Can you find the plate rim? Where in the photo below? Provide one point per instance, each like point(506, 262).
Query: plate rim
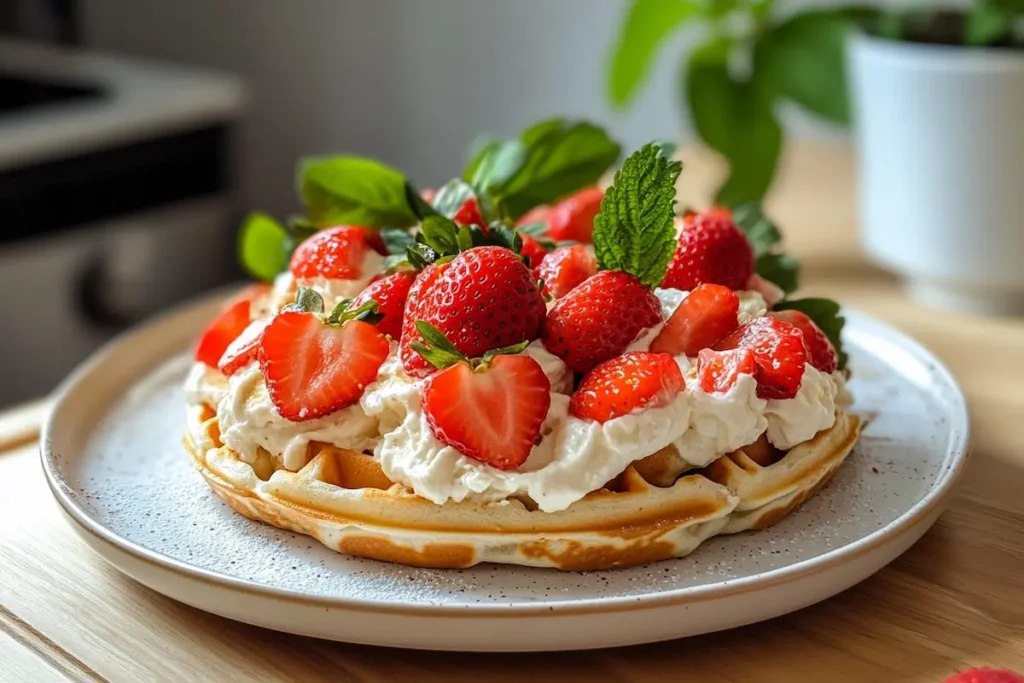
point(958, 451)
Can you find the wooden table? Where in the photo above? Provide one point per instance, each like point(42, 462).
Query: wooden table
point(954, 600)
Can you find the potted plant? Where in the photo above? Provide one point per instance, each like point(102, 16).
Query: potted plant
point(937, 96)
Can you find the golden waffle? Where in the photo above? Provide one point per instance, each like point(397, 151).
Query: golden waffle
point(344, 500)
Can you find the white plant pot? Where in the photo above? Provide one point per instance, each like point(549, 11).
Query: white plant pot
point(941, 143)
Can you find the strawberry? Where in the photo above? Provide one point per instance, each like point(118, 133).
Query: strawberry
point(533, 250)
point(717, 370)
point(707, 314)
point(390, 292)
point(779, 353)
point(244, 349)
point(985, 675)
point(820, 352)
point(573, 217)
point(719, 212)
point(483, 299)
point(375, 241)
point(334, 253)
point(539, 214)
point(566, 267)
point(313, 368)
point(222, 331)
point(469, 214)
point(493, 412)
point(413, 362)
point(625, 384)
point(710, 249)
point(599, 318)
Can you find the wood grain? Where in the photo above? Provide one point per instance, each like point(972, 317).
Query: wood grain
point(955, 600)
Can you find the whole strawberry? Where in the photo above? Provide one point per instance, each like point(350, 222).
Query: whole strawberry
point(533, 250)
point(333, 253)
point(390, 293)
point(596, 320)
point(485, 298)
point(413, 362)
point(710, 249)
point(565, 268)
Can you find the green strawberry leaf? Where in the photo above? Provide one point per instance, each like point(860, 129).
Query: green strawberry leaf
point(420, 255)
point(634, 230)
point(451, 196)
point(826, 314)
point(762, 234)
point(781, 269)
point(436, 350)
point(306, 301)
point(440, 234)
point(368, 312)
point(356, 191)
point(505, 351)
point(263, 246)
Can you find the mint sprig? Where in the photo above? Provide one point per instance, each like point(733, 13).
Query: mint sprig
point(634, 230)
point(441, 353)
point(826, 314)
point(765, 239)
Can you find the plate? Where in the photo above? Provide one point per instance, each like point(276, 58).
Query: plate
point(112, 454)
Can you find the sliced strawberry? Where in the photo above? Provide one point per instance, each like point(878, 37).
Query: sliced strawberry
point(599, 318)
point(779, 353)
point(706, 315)
point(313, 369)
point(566, 267)
point(533, 250)
point(625, 384)
point(820, 352)
point(710, 249)
point(493, 413)
point(573, 217)
point(718, 370)
point(222, 331)
point(334, 253)
point(469, 214)
point(390, 292)
point(244, 349)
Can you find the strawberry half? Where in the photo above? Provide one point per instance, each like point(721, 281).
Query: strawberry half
point(334, 253)
point(390, 292)
point(573, 217)
point(492, 413)
point(820, 352)
point(717, 370)
point(244, 349)
point(599, 318)
point(710, 249)
point(313, 368)
point(216, 338)
point(485, 298)
point(565, 268)
point(779, 353)
point(705, 316)
point(622, 385)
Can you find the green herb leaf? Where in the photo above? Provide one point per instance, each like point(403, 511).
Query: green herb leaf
point(762, 234)
point(440, 234)
point(803, 59)
point(561, 158)
point(438, 351)
point(262, 247)
point(634, 230)
point(306, 301)
point(648, 23)
point(357, 191)
point(734, 119)
point(396, 240)
point(451, 196)
point(495, 165)
point(781, 269)
point(825, 314)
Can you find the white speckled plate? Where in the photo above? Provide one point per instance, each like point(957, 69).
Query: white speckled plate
point(113, 457)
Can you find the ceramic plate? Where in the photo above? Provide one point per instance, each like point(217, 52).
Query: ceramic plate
point(114, 460)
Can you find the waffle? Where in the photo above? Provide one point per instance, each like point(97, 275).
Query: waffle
point(344, 500)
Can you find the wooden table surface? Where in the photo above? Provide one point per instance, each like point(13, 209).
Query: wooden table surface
point(955, 600)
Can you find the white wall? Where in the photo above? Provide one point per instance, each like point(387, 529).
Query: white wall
point(409, 81)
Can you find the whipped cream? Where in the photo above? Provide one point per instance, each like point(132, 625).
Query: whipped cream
point(813, 409)
point(205, 385)
point(250, 421)
point(721, 422)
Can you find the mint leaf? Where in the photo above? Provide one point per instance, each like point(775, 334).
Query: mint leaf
point(734, 118)
point(561, 158)
point(803, 59)
point(762, 234)
point(825, 314)
point(396, 240)
point(262, 246)
point(356, 191)
point(451, 196)
point(648, 23)
point(495, 164)
point(781, 269)
point(634, 230)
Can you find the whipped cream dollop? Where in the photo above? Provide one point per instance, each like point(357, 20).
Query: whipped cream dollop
point(795, 420)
